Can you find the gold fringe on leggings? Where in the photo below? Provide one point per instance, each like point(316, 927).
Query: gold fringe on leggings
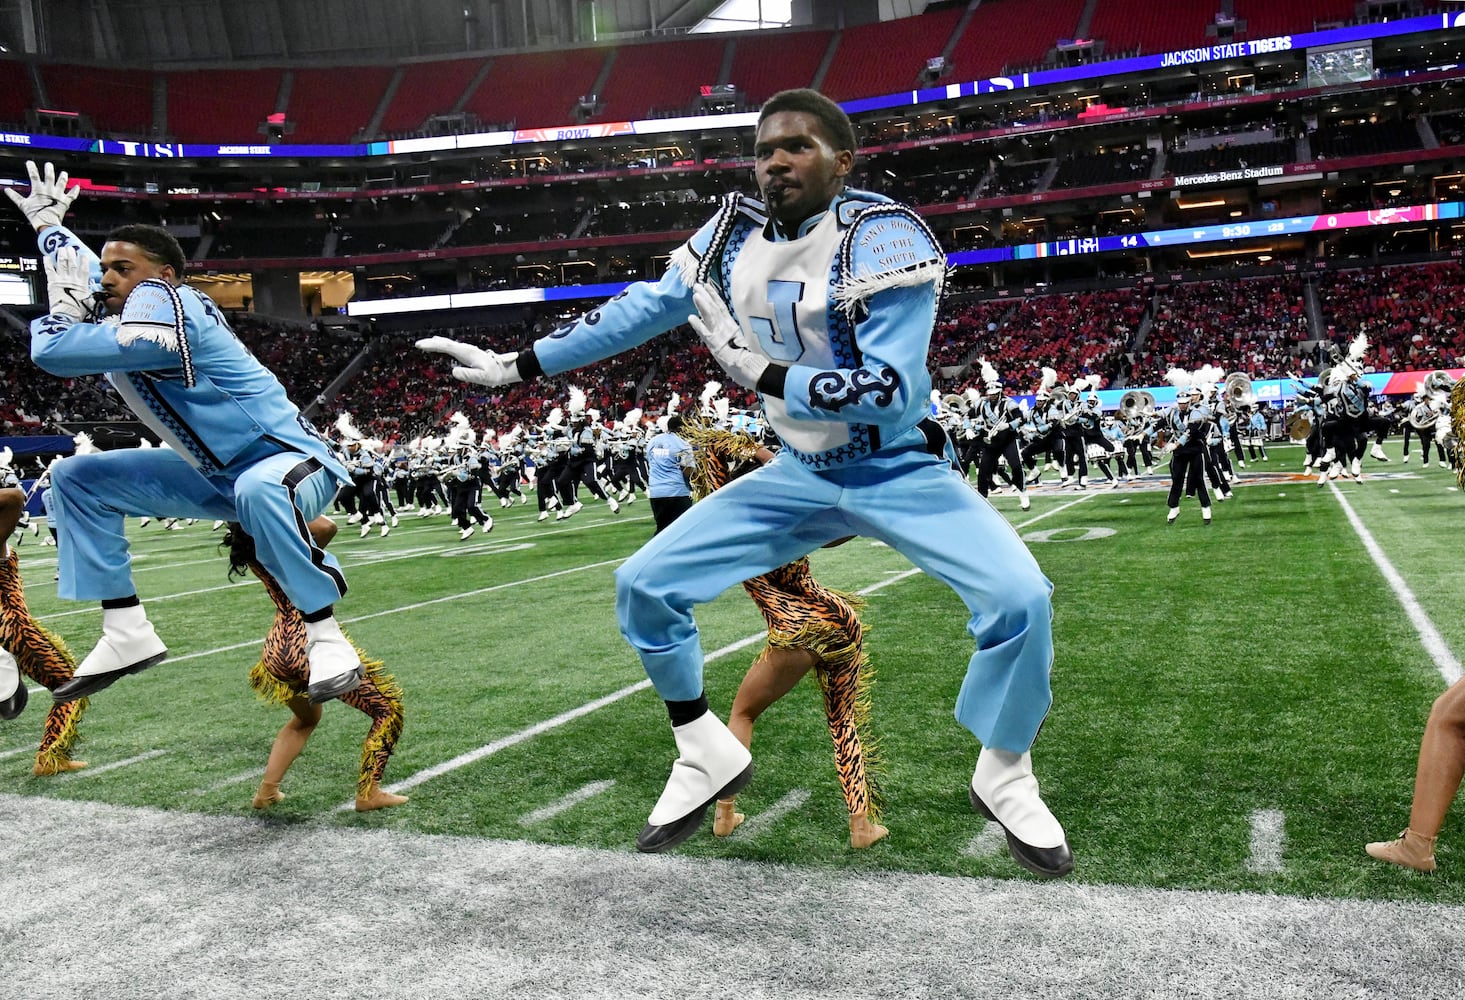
point(803, 614)
point(283, 672)
point(44, 658)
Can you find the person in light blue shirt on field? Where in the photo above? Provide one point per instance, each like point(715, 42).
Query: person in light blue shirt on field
point(238, 449)
point(669, 459)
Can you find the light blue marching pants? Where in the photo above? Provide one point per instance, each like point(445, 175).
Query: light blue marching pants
point(274, 499)
point(907, 498)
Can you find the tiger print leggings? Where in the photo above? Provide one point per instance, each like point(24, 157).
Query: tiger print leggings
point(283, 672)
point(43, 657)
point(803, 614)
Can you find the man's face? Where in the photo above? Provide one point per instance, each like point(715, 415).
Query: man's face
point(123, 266)
point(797, 169)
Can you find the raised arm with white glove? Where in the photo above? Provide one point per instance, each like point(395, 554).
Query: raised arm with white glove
point(475, 364)
point(725, 339)
point(69, 284)
point(48, 200)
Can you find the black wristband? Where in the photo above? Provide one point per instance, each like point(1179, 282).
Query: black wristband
point(770, 383)
point(529, 368)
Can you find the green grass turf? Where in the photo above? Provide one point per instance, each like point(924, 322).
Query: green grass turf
point(1202, 674)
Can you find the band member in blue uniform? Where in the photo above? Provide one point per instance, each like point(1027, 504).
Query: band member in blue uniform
point(821, 298)
point(238, 450)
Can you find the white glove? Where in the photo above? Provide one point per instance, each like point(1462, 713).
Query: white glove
point(724, 338)
point(69, 283)
point(476, 365)
point(48, 199)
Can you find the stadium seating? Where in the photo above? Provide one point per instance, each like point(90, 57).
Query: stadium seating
point(1003, 33)
point(763, 66)
point(116, 100)
point(427, 89)
point(1268, 18)
point(221, 105)
point(15, 91)
point(886, 57)
point(1125, 25)
point(334, 105)
point(1411, 314)
point(659, 78)
point(1253, 325)
point(536, 89)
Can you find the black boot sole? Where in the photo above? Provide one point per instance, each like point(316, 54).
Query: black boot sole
point(11, 707)
point(1044, 862)
point(655, 839)
point(80, 687)
point(336, 686)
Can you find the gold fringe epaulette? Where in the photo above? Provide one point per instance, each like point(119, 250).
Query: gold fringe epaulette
point(1457, 424)
point(716, 451)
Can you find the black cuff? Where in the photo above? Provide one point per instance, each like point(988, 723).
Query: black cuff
point(770, 383)
point(683, 712)
point(529, 367)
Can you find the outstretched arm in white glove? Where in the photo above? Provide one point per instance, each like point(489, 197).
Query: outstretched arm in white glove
point(69, 284)
point(475, 364)
point(48, 199)
point(724, 338)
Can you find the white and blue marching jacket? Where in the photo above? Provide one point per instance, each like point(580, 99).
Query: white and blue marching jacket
point(845, 308)
point(183, 372)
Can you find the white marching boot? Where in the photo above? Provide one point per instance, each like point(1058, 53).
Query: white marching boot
point(1004, 790)
point(13, 692)
point(1377, 452)
point(613, 504)
point(128, 645)
point(1023, 501)
point(335, 669)
point(711, 765)
point(487, 524)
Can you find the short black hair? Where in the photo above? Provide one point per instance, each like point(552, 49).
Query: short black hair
point(674, 423)
point(154, 241)
point(831, 117)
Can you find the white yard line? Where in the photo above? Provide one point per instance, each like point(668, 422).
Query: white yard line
point(92, 772)
point(581, 794)
point(768, 817)
point(1268, 838)
point(1429, 636)
point(990, 841)
point(240, 778)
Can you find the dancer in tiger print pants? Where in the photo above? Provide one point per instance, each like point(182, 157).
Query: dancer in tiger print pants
point(809, 627)
point(282, 677)
point(39, 654)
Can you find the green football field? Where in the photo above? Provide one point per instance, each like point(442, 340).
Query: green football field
point(1236, 707)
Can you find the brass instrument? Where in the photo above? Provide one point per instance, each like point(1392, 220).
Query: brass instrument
point(1135, 403)
point(1299, 426)
point(1423, 415)
point(1439, 381)
point(1237, 391)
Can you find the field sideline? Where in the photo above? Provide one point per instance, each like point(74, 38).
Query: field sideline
point(1237, 709)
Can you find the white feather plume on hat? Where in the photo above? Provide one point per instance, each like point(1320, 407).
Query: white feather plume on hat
point(1209, 375)
point(347, 428)
point(84, 444)
point(1180, 378)
point(556, 417)
point(632, 419)
point(709, 393)
point(144, 443)
point(990, 378)
point(672, 404)
point(1048, 381)
point(576, 405)
point(459, 435)
point(6, 457)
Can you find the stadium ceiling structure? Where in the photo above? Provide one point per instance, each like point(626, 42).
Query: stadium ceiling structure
point(181, 32)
